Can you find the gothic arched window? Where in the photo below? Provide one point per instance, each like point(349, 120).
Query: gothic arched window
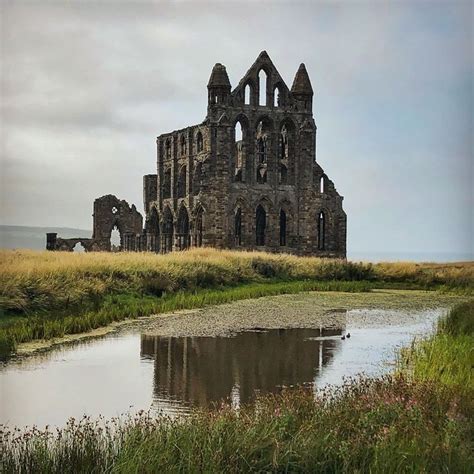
point(238, 227)
point(260, 225)
point(282, 227)
point(262, 87)
point(321, 231)
point(199, 142)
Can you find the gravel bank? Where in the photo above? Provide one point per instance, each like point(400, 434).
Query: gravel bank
point(303, 310)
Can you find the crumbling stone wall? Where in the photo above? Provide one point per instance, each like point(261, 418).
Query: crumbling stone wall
point(109, 213)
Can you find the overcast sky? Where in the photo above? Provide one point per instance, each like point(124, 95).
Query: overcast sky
point(87, 87)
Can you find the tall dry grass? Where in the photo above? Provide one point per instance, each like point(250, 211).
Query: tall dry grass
point(49, 294)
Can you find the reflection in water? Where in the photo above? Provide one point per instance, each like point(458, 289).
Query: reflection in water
point(202, 370)
point(126, 372)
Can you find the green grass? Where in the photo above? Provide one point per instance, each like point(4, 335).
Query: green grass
point(448, 357)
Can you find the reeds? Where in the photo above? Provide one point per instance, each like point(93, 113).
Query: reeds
point(447, 357)
point(386, 425)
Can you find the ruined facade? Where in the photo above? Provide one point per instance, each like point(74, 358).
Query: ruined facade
point(246, 177)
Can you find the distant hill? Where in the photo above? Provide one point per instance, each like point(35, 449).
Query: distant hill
point(22, 237)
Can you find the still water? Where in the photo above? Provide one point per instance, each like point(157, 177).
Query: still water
point(128, 371)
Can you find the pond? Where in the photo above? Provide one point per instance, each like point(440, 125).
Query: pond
point(170, 364)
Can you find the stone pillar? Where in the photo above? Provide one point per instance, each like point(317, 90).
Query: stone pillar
point(51, 239)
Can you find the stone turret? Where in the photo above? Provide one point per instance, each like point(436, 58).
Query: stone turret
point(302, 90)
point(218, 86)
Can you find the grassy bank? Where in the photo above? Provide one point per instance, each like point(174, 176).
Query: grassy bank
point(418, 420)
point(48, 294)
point(448, 358)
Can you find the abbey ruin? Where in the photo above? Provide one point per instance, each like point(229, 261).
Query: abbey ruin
point(244, 178)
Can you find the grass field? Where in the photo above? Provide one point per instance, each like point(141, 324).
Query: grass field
point(417, 420)
point(49, 294)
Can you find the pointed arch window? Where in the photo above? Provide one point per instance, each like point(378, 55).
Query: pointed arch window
point(262, 149)
point(198, 227)
point(282, 227)
point(239, 151)
point(262, 87)
point(199, 142)
point(168, 231)
point(283, 176)
point(260, 225)
point(238, 227)
point(183, 145)
point(322, 183)
point(247, 94)
point(276, 97)
point(321, 231)
point(183, 229)
point(168, 148)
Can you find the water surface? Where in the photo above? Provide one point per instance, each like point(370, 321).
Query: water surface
point(132, 370)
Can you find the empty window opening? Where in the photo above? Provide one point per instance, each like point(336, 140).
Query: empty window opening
point(199, 142)
point(282, 227)
point(183, 145)
point(262, 149)
point(114, 210)
point(260, 225)
point(276, 97)
point(262, 174)
point(283, 178)
point(198, 228)
point(238, 227)
point(183, 229)
point(321, 185)
point(115, 240)
point(168, 231)
point(168, 148)
point(247, 94)
point(262, 87)
point(78, 248)
point(284, 144)
point(182, 182)
point(238, 132)
point(321, 231)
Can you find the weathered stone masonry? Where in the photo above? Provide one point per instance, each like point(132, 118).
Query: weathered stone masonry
point(246, 177)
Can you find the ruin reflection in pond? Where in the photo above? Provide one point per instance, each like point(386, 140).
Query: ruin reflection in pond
point(200, 370)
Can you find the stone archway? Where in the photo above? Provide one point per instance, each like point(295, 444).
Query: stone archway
point(260, 226)
point(182, 234)
point(167, 231)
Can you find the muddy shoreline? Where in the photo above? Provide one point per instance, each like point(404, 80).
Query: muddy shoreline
point(302, 310)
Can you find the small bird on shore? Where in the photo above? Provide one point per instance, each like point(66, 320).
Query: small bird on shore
point(348, 335)
point(343, 337)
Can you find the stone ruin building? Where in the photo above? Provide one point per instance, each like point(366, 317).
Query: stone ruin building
point(244, 178)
